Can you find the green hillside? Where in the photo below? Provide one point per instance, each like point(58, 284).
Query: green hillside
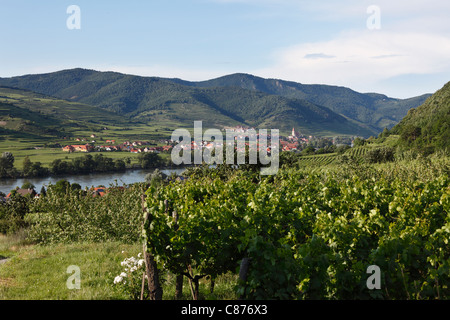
point(155, 100)
point(428, 126)
point(24, 113)
point(371, 109)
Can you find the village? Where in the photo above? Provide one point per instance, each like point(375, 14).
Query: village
point(110, 146)
point(293, 143)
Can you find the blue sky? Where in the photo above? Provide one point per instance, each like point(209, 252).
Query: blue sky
point(307, 41)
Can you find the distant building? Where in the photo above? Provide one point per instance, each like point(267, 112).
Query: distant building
point(100, 191)
point(294, 135)
point(68, 149)
point(78, 148)
point(24, 192)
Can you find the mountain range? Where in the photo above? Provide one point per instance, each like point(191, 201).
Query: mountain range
point(236, 99)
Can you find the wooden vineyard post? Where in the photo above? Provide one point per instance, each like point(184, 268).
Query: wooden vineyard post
point(212, 284)
point(179, 287)
point(143, 285)
point(179, 280)
point(194, 283)
point(243, 271)
point(151, 268)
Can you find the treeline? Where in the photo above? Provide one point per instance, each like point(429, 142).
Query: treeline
point(86, 164)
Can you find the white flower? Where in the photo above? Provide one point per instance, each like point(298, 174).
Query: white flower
point(139, 254)
point(141, 262)
point(123, 274)
point(118, 279)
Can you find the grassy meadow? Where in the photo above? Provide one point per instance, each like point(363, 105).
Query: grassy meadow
point(35, 272)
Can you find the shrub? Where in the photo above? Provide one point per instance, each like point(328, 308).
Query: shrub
point(129, 281)
point(380, 155)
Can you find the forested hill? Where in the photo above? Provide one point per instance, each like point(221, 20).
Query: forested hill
point(376, 110)
point(428, 126)
point(231, 100)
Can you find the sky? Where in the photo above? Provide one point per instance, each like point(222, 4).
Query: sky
point(398, 48)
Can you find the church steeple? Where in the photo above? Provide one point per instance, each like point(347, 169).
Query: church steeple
point(294, 135)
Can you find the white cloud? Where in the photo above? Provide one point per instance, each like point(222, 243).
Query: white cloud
point(318, 56)
point(361, 59)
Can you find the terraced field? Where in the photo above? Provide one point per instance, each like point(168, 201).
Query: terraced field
point(357, 151)
point(317, 160)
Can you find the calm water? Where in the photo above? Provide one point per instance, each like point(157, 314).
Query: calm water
point(106, 179)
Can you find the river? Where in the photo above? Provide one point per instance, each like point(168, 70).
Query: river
point(89, 180)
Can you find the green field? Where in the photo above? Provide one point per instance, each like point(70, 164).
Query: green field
point(32, 124)
point(40, 272)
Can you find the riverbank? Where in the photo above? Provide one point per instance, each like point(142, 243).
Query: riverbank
point(126, 177)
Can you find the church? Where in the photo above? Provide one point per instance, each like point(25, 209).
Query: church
point(294, 135)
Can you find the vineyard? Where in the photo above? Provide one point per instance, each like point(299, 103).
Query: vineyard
point(357, 151)
point(349, 230)
point(308, 234)
point(317, 160)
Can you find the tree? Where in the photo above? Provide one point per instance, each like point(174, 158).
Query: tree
point(149, 160)
point(61, 187)
point(37, 170)
point(59, 166)
point(28, 185)
point(289, 159)
point(75, 186)
point(43, 192)
point(26, 166)
point(359, 142)
point(380, 155)
point(9, 158)
point(410, 133)
point(12, 213)
point(7, 169)
point(155, 178)
point(309, 150)
point(120, 165)
point(384, 134)
point(33, 169)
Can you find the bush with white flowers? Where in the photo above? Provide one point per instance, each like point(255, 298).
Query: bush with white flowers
point(130, 280)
